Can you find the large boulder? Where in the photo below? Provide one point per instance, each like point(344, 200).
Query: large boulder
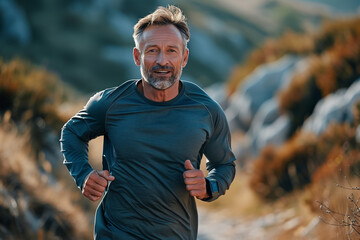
point(268, 126)
point(257, 88)
point(14, 25)
point(335, 108)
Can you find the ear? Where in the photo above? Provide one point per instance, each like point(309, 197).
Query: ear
point(137, 56)
point(185, 57)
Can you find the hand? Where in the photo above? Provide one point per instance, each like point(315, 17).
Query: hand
point(96, 184)
point(195, 181)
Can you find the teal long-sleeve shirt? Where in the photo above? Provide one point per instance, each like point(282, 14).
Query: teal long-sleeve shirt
point(145, 146)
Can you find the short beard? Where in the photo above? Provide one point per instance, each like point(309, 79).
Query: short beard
point(160, 83)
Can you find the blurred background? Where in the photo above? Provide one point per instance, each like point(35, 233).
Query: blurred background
point(286, 73)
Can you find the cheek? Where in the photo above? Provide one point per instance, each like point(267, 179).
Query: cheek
point(149, 61)
point(177, 62)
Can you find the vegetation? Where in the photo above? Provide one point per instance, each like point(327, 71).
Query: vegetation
point(31, 97)
point(271, 50)
point(34, 204)
point(304, 159)
point(334, 63)
point(332, 35)
point(350, 219)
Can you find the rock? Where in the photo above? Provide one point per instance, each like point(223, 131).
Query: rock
point(310, 227)
point(275, 133)
point(123, 56)
point(259, 87)
point(335, 108)
point(14, 25)
point(122, 23)
point(352, 96)
point(266, 115)
point(238, 112)
point(217, 92)
point(200, 46)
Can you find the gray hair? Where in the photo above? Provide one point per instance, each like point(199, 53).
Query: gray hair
point(163, 16)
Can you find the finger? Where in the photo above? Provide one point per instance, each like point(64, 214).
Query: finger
point(93, 193)
point(188, 165)
point(197, 193)
point(195, 181)
point(195, 173)
point(193, 187)
point(93, 198)
point(105, 174)
point(94, 186)
point(96, 179)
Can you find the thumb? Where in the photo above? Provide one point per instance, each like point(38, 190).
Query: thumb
point(105, 174)
point(188, 165)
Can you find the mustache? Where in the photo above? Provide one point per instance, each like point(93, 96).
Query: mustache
point(159, 67)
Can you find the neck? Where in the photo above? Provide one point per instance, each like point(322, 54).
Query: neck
point(157, 95)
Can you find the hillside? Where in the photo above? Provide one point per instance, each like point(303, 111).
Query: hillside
point(37, 198)
point(294, 114)
point(89, 45)
point(293, 105)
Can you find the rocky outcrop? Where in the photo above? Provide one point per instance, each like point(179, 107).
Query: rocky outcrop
point(335, 108)
point(254, 108)
point(257, 88)
point(89, 43)
point(14, 25)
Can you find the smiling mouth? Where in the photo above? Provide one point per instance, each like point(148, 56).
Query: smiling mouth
point(162, 72)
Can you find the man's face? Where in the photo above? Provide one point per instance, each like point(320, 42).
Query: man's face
point(161, 56)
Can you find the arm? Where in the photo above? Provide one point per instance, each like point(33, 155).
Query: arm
point(75, 150)
point(220, 165)
point(220, 158)
point(88, 124)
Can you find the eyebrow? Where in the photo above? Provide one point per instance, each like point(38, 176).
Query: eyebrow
point(154, 45)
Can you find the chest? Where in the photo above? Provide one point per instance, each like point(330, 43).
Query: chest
point(159, 133)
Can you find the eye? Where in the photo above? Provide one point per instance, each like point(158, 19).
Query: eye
point(151, 50)
point(172, 50)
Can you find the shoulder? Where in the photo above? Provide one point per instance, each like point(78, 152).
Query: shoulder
point(196, 93)
point(102, 100)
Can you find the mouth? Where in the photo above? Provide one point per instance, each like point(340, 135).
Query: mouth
point(161, 72)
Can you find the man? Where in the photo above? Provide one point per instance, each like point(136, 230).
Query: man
point(155, 130)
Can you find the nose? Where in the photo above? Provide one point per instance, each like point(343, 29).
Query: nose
point(161, 59)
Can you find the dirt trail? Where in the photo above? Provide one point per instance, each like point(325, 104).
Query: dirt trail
point(216, 226)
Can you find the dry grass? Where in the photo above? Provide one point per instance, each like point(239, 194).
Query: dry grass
point(329, 193)
point(334, 68)
point(301, 160)
point(341, 36)
point(239, 200)
point(41, 209)
point(34, 204)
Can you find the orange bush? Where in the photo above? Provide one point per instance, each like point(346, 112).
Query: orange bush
point(296, 163)
point(337, 67)
point(342, 36)
point(32, 96)
point(272, 50)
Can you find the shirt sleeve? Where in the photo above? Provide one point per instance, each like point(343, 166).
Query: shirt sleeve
point(220, 158)
point(87, 124)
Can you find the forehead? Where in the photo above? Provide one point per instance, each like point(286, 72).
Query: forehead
point(159, 35)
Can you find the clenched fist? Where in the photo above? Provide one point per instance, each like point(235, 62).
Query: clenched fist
point(96, 183)
point(195, 181)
